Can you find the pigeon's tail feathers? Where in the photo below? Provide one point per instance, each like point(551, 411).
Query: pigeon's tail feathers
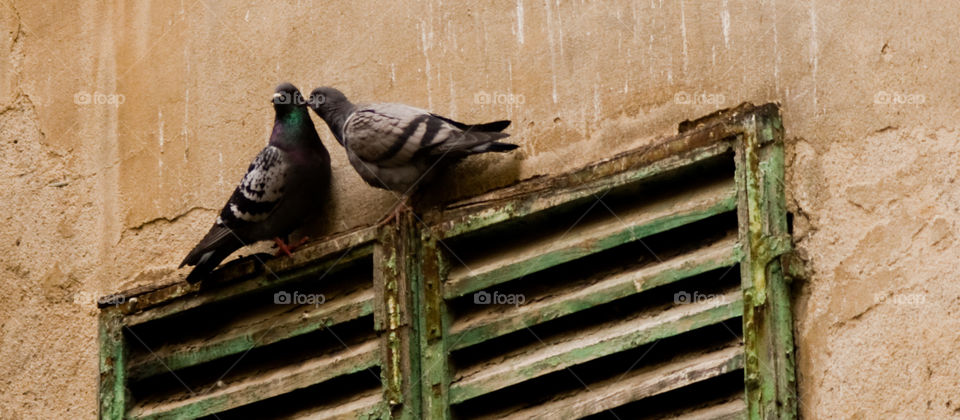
point(486, 141)
point(208, 263)
point(490, 126)
point(201, 271)
point(216, 237)
point(496, 126)
point(496, 147)
point(217, 245)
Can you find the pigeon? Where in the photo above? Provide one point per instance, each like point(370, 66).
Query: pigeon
point(395, 146)
point(284, 185)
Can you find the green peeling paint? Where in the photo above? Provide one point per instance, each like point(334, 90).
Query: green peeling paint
point(770, 378)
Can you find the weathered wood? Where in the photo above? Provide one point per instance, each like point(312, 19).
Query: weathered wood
point(113, 398)
point(276, 382)
point(634, 386)
point(591, 237)
point(407, 313)
point(434, 380)
point(394, 261)
point(577, 347)
point(277, 323)
point(386, 276)
point(366, 406)
point(540, 194)
point(189, 299)
point(767, 322)
point(730, 410)
point(483, 326)
point(148, 296)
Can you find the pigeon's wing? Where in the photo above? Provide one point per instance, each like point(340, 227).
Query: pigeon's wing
point(492, 126)
point(469, 139)
point(261, 189)
point(392, 134)
point(396, 134)
point(252, 202)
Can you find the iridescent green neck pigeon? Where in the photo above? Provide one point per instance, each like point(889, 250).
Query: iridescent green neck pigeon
point(396, 146)
point(285, 185)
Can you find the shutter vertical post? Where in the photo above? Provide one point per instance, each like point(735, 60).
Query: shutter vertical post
point(770, 376)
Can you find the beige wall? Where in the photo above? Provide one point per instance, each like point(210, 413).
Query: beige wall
point(99, 197)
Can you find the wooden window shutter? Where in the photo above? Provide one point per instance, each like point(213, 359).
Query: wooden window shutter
point(648, 285)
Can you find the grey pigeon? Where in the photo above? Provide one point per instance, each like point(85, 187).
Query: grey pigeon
point(286, 183)
point(395, 146)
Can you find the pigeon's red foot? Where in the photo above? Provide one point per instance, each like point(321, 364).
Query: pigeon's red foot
point(394, 214)
point(299, 243)
point(284, 248)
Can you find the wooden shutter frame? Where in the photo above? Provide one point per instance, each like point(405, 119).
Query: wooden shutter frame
point(409, 269)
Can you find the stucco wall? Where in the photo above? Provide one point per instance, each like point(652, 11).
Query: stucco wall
point(102, 196)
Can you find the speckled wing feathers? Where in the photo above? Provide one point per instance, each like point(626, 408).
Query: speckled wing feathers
point(260, 190)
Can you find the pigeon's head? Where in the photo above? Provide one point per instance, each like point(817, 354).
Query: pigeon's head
point(287, 97)
point(327, 101)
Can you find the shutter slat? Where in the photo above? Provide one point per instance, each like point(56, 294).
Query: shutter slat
point(233, 290)
point(580, 346)
point(638, 385)
point(256, 330)
point(592, 237)
point(369, 405)
point(482, 326)
point(534, 196)
point(274, 383)
point(730, 410)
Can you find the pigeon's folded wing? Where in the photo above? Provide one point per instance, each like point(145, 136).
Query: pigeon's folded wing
point(260, 191)
point(391, 134)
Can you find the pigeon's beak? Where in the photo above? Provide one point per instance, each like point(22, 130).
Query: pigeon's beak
point(275, 97)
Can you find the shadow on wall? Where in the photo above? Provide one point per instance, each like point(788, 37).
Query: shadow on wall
point(472, 176)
